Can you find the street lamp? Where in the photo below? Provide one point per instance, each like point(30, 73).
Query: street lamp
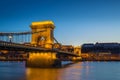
point(10, 38)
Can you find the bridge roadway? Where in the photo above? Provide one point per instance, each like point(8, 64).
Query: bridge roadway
point(27, 48)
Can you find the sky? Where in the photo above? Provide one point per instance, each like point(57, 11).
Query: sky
point(77, 21)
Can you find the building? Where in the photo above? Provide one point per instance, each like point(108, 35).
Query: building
point(113, 48)
point(101, 52)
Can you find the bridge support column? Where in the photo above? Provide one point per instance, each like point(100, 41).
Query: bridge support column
point(43, 60)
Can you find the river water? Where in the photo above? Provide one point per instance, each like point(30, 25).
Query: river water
point(76, 71)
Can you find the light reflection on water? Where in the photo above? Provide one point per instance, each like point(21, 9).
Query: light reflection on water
point(77, 71)
point(43, 74)
point(66, 73)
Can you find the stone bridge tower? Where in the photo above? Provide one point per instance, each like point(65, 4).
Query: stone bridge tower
point(42, 34)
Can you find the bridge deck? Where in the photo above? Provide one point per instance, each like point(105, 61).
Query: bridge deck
point(21, 47)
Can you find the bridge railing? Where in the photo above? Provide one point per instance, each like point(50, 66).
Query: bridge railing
point(17, 46)
point(21, 47)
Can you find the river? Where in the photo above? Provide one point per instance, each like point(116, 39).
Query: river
point(76, 71)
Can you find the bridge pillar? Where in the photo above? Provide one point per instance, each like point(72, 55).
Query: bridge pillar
point(44, 36)
point(43, 60)
point(77, 50)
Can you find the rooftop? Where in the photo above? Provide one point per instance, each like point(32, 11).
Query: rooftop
point(42, 23)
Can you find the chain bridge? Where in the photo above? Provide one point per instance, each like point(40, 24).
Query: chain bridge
point(39, 44)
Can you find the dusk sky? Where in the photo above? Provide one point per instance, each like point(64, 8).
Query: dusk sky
point(77, 21)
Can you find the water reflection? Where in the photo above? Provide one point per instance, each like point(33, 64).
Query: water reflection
point(69, 72)
point(77, 71)
point(42, 74)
